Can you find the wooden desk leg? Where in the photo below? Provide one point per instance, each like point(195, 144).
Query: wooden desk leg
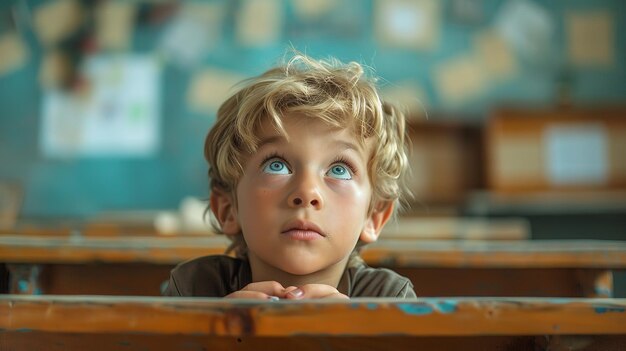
point(595, 282)
point(25, 279)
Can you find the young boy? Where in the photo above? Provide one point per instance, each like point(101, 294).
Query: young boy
point(304, 162)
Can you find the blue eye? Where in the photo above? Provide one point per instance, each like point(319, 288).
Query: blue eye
point(276, 167)
point(339, 171)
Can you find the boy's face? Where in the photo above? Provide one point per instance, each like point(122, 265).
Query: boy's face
point(302, 203)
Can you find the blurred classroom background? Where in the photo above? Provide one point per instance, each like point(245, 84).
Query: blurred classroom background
point(517, 108)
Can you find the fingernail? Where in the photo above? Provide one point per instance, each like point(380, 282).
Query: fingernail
point(273, 298)
point(296, 293)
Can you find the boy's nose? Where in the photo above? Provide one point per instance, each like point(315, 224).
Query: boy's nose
point(306, 194)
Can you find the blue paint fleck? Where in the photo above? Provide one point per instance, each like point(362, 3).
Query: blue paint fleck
point(371, 306)
point(24, 330)
point(602, 310)
point(446, 306)
point(415, 309)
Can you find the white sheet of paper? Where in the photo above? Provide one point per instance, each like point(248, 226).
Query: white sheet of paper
point(591, 38)
point(119, 116)
point(528, 28)
point(195, 30)
point(412, 24)
point(576, 154)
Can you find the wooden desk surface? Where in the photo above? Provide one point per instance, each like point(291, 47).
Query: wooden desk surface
point(124, 323)
point(397, 253)
point(219, 317)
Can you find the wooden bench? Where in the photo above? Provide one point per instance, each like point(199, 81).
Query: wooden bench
point(126, 323)
point(138, 265)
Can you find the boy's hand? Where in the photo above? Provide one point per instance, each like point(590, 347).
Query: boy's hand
point(314, 291)
point(262, 291)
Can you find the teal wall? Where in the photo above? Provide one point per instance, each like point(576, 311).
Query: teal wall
point(84, 186)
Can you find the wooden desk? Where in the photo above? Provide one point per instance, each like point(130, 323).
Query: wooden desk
point(138, 266)
point(125, 323)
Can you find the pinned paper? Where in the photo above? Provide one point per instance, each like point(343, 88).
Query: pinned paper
point(56, 70)
point(117, 116)
point(56, 20)
point(408, 23)
point(498, 60)
point(210, 88)
point(308, 9)
point(13, 52)
point(528, 28)
point(114, 24)
point(408, 96)
point(577, 154)
point(259, 22)
point(460, 79)
point(591, 38)
point(195, 29)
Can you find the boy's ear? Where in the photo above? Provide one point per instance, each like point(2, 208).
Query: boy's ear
point(225, 212)
point(376, 221)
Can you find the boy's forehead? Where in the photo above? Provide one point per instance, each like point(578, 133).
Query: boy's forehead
point(268, 131)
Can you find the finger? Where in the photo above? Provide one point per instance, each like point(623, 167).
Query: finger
point(312, 291)
point(241, 294)
point(268, 287)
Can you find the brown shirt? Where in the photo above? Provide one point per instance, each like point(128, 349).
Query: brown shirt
point(219, 275)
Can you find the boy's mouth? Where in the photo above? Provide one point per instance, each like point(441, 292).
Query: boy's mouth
point(303, 230)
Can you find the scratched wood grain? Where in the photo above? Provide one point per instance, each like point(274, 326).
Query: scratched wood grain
point(111, 323)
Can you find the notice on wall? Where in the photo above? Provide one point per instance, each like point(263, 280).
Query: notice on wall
point(412, 24)
point(499, 62)
point(194, 31)
point(528, 28)
point(576, 154)
point(460, 79)
point(259, 22)
point(209, 88)
point(117, 114)
point(114, 24)
point(57, 19)
point(591, 38)
point(13, 52)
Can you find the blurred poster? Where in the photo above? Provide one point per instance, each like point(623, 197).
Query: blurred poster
point(114, 24)
point(412, 24)
point(591, 38)
point(210, 88)
point(13, 52)
point(117, 114)
point(55, 20)
point(577, 154)
point(528, 28)
point(259, 22)
point(498, 60)
point(460, 79)
point(196, 29)
point(343, 20)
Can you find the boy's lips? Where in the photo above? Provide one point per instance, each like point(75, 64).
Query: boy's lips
point(302, 230)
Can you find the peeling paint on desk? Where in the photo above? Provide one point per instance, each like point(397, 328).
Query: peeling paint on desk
point(601, 310)
point(415, 309)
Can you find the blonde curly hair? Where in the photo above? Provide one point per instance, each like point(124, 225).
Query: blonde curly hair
point(339, 94)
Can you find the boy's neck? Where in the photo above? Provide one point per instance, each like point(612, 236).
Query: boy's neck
point(261, 271)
